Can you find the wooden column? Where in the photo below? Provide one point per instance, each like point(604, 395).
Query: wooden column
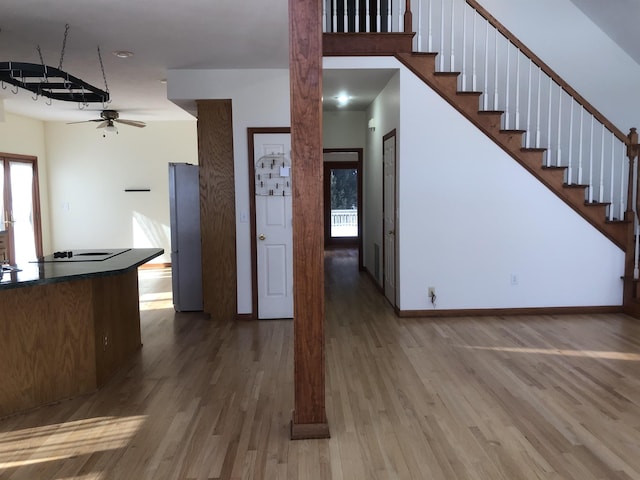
point(217, 208)
point(305, 62)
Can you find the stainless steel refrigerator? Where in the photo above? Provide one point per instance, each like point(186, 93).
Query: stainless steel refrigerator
point(186, 257)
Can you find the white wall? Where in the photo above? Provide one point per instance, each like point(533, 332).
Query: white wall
point(260, 98)
point(344, 129)
point(25, 136)
point(88, 174)
point(385, 111)
point(470, 217)
point(582, 54)
point(463, 229)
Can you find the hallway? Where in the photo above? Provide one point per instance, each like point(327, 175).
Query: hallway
point(531, 397)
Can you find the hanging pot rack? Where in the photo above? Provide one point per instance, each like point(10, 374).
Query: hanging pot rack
point(50, 82)
point(53, 83)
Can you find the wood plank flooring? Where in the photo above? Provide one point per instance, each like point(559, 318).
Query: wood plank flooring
point(536, 397)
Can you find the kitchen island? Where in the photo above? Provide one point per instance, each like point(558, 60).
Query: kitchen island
point(67, 323)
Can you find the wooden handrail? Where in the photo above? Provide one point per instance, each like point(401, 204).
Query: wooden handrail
point(548, 70)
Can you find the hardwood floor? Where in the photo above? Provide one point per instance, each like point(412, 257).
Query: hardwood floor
point(539, 397)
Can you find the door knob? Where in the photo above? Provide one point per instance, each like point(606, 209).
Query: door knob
point(261, 236)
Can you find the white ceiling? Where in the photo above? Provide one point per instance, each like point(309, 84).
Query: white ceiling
point(169, 34)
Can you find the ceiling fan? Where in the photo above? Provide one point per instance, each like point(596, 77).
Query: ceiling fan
point(107, 119)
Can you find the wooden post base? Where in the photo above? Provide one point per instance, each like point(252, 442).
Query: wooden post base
point(309, 431)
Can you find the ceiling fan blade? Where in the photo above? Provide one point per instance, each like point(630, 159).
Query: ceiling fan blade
point(103, 124)
point(86, 121)
point(133, 123)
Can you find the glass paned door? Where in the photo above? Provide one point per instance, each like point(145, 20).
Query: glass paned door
point(344, 202)
point(20, 209)
point(22, 212)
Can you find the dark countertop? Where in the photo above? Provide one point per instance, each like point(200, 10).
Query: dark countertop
point(51, 271)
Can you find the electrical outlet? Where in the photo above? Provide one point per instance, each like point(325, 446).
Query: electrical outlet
point(514, 279)
point(432, 295)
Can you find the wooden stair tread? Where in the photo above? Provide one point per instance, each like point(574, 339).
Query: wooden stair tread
point(575, 185)
point(490, 112)
point(533, 149)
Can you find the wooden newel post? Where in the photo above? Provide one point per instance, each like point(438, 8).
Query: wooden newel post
point(408, 17)
point(630, 216)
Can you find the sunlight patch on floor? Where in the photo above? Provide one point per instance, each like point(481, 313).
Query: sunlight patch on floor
point(156, 301)
point(56, 442)
point(566, 353)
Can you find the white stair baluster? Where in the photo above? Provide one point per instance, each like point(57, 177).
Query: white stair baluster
point(517, 89)
point(529, 113)
point(601, 183)
point(474, 83)
point(591, 161)
point(389, 17)
point(611, 208)
point(430, 46)
point(325, 21)
point(559, 149)
point(485, 94)
point(452, 66)
point(419, 35)
point(464, 47)
point(495, 71)
point(537, 145)
point(570, 169)
point(580, 137)
point(507, 83)
point(549, 122)
point(441, 52)
point(378, 17)
point(346, 17)
point(400, 16)
point(357, 25)
point(334, 15)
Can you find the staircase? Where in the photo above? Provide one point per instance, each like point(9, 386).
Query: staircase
point(489, 53)
point(584, 162)
point(511, 141)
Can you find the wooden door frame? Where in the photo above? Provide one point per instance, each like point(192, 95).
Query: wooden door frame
point(37, 211)
point(391, 134)
point(251, 133)
point(327, 203)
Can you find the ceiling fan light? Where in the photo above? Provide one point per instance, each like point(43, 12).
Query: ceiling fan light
point(123, 53)
point(111, 128)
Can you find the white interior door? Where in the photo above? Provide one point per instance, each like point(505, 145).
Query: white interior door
point(389, 220)
point(274, 230)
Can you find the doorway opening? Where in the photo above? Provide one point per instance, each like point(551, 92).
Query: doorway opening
point(343, 199)
point(20, 227)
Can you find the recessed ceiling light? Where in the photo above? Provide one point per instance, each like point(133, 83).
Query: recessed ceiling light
point(123, 53)
point(343, 99)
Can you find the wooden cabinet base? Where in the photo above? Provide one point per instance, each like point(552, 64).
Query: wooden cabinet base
point(65, 339)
